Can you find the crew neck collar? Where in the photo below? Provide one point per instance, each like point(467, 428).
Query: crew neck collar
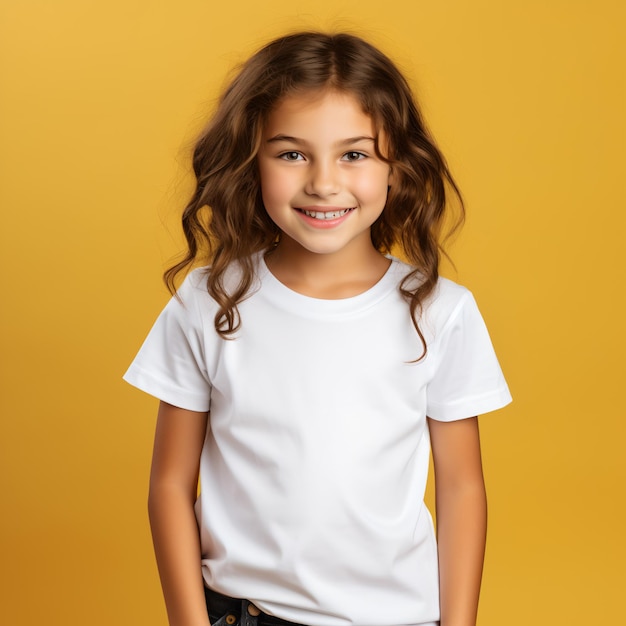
point(286, 298)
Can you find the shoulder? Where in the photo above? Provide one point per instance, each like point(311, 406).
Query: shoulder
point(446, 303)
point(195, 284)
point(450, 306)
point(445, 296)
point(448, 296)
point(196, 280)
point(192, 303)
point(193, 292)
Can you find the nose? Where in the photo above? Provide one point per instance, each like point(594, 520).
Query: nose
point(323, 180)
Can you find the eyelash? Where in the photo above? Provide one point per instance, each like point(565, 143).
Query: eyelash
point(286, 156)
point(360, 155)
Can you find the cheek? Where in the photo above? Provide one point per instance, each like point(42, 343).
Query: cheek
point(275, 185)
point(374, 188)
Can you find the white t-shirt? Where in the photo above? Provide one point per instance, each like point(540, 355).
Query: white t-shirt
point(315, 463)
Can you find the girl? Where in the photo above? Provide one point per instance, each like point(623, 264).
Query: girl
point(327, 366)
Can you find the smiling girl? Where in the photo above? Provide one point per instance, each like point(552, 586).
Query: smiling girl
point(304, 373)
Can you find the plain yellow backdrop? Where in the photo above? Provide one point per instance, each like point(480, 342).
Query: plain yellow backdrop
point(99, 104)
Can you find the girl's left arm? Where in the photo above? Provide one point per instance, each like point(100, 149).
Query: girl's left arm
point(461, 505)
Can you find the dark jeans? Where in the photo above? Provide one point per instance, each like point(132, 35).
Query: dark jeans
point(225, 611)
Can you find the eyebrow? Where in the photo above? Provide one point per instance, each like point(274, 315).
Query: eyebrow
point(296, 140)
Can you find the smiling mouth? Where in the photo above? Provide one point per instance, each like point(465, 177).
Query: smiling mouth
point(326, 215)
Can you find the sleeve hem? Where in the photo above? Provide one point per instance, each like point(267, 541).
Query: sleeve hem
point(469, 407)
point(165, 391)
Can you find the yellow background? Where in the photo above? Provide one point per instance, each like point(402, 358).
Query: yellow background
point(99, 103)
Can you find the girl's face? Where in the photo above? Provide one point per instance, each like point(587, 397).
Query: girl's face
point(321, 181)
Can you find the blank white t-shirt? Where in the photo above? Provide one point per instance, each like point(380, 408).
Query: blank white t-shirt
point(315, 463)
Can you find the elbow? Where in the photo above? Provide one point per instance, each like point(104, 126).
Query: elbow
point(154, 500)
point(466, 501)
point(166, 495)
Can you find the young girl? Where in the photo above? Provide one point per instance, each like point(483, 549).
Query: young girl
point(305, 373)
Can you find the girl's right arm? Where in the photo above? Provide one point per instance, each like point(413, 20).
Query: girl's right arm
point(173, 489)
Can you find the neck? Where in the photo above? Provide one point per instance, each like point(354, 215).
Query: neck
point(336, 275)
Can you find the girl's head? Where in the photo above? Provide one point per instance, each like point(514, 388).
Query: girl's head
point(226, 220)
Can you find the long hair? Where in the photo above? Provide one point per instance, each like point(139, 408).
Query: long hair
point(225, 220)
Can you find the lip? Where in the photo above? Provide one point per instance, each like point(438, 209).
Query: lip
point(325, 223)
point(323, 208)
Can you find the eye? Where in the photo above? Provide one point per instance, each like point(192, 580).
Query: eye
point(292, 155)
point(353, 156)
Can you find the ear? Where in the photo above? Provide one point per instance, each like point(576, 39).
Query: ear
point(392, 179)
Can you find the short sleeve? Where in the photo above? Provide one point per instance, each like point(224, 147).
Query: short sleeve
point(171, 363)
point(467, 379)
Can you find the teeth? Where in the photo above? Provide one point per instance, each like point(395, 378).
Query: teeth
point(326, 215)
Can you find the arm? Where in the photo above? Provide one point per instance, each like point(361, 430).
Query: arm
point(173, 489)
point(461, 518)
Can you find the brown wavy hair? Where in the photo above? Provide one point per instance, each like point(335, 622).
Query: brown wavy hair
point(225, 220)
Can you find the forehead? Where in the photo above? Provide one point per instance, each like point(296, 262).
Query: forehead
point(326, 112)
